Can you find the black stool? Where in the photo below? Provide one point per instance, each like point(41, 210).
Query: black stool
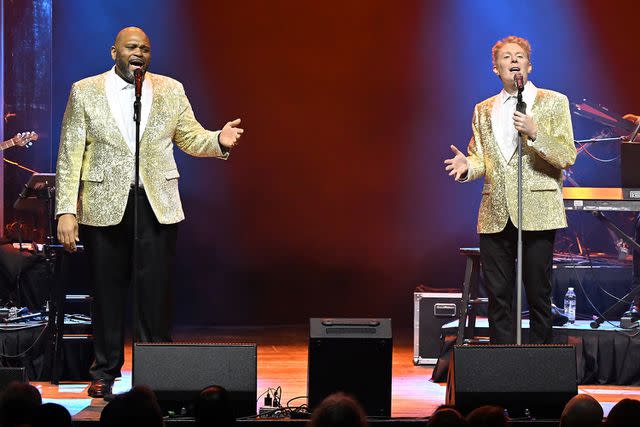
point(470, 300)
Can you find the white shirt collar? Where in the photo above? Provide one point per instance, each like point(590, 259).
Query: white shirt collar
point(504, 132)
point(121, 105)
point(118, 82)
point(528, 95)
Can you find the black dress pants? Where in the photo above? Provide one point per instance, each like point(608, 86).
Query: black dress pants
point(498, 254)
point(109, 250)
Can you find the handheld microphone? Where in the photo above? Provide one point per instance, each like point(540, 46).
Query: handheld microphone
point(519, 81)
point(521, 106)
point(138, 76)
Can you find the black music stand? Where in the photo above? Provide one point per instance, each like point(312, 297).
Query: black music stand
point(38, 190)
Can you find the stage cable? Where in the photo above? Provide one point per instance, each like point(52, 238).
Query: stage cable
point(583, 147)
point(584, 292)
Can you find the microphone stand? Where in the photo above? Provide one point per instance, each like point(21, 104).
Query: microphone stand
point(136, 235)
point(521, 107)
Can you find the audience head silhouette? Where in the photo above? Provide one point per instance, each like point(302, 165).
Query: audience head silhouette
point(138, 407)
point(487, 416)
point(18, 403)
point(52, 415)
point(446, 417)
point(338, 410)
point(213, 407)
point(624, 413)
point(582, 411)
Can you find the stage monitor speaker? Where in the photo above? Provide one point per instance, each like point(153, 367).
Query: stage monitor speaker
point(534, 379)
point(9, 375)
point(352, 356)
point(177, 372)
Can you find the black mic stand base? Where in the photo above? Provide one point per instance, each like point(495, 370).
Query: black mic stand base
point(625, 300)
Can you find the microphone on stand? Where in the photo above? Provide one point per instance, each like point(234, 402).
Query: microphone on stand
point(518, 79)
point(521, 106)
point(138, 76)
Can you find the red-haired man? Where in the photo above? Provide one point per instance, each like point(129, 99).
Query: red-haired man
point(548, 148)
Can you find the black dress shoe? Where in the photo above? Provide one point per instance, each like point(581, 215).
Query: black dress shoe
point(100, 388)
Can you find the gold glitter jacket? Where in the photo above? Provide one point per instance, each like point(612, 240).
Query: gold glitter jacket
point(542, 164)
point(95, 165)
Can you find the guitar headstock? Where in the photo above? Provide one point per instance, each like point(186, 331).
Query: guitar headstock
point(25, 139)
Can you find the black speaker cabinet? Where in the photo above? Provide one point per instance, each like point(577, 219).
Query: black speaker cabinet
point(9, 375)
point(539, 379)
point(352, 356)
point(177, 372)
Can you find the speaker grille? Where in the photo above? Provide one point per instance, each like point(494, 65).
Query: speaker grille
point(353, 358)
point(178, 371)
point(538, 378)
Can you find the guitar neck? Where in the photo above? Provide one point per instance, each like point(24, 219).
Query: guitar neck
point(6, 144)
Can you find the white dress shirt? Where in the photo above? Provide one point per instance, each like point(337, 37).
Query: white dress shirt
point(502, 118)
point(121, 96)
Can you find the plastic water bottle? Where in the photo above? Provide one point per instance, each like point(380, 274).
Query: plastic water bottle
point(570, 305)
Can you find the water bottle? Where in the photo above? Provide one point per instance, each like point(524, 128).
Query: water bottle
point(570, 305)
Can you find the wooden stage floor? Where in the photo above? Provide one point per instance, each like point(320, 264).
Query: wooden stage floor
point(282, 361)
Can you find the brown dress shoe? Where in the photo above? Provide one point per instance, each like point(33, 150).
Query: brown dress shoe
point(100, 388)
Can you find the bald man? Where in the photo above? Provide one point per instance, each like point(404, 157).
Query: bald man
point(95, 188)
point(582, 411)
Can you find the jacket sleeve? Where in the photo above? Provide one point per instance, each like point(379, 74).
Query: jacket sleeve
point(70, 153)
point(554, 141)
point(475, 152)
point(191, 137)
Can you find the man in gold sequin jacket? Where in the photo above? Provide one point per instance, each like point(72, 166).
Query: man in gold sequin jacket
point(95, 181)
point(548, 148)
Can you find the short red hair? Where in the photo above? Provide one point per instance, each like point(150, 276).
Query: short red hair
point(523, 43)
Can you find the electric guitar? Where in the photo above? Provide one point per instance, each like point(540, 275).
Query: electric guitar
point(23, 139)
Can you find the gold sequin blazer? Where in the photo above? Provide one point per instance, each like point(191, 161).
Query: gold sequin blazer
point(543, 161)
point(95, 165)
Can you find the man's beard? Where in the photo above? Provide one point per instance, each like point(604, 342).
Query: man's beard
point(123, 68)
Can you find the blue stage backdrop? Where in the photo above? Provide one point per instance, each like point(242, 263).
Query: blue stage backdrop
point(336, 203)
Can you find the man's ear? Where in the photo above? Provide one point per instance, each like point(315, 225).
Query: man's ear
point(113, 52)
point(495, 70)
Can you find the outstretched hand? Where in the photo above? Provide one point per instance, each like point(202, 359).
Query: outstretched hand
point(632, 118)
point(458, 166)
point(230, 134)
